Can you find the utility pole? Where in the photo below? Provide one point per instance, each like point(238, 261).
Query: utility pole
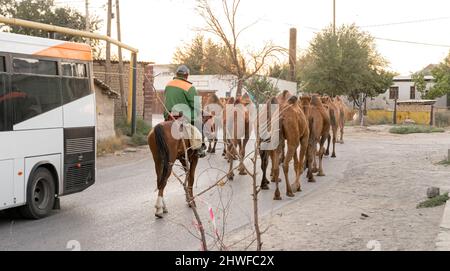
point(119, 38)
point(88, 21)
point(334, 17)
point(292, 53)
point(108, 44)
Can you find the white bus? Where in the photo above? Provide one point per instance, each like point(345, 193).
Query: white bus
point(47, 122)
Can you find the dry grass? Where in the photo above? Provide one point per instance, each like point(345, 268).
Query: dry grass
point(111, 145)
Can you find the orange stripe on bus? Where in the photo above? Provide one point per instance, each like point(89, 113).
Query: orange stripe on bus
point(68, 50)
point(180, 84)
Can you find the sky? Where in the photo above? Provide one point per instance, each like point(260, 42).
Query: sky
point(158, 27)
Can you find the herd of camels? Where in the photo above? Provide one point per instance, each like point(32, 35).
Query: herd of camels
point(305, 124)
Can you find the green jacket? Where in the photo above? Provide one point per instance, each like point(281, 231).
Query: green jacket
point(180, 91)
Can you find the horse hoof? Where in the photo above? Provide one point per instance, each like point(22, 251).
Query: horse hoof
point(277, 198)
point(333, 156)
point(296, 188)
point(265, 187)
point(321, 174)
point(290, 195)
point(159, 216)
point(274, 181)
point(230, 178)
point(243, 173)
point(165, 211)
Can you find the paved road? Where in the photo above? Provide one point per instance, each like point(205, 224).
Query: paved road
point(117, 213)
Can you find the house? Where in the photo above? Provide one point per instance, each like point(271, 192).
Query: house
point(404, 89)
point(105, 100)
point(222, 85)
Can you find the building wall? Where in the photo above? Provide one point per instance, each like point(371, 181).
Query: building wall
point(105, 115)
point(99, 72)
point(223, 85)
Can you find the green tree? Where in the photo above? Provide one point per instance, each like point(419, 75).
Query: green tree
point(441, 74)
point(420, 83)
point(202, 56)
point(345, 63)
point(261, 88)
point(45, 11)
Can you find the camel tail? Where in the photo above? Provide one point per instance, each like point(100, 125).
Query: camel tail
point(333, 118)
point(342, 114)
point(163, 152)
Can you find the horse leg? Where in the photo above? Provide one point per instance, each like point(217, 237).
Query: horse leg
point(276, 172)
point(191, 179)
point(230, 161)
point(292, 148)
point(215, 145)
point(264, 165)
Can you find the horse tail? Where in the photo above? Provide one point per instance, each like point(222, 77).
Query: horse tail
point(333, 118)
point(163, 152)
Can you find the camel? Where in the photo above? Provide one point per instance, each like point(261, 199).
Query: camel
point(319, 126)
point(212, 112)
point(343, 112)
point(335, 118)
point(293, 130)
point(237, 133)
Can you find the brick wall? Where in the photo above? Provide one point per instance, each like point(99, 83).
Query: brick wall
point(114, 83)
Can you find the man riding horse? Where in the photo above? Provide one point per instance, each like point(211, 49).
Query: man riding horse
point(178, 94)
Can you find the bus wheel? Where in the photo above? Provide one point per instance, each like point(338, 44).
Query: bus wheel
point(40, 195)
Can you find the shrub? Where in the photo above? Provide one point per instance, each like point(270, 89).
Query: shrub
point(415, 129)
point(142, 131)
point(434, 202)
point(442, 119)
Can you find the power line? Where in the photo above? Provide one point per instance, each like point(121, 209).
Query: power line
point(413, 42)
point(406, 22)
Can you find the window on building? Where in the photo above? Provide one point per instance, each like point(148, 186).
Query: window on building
point(413, 93)
point(393, 93)
point(35, 66)
point(2, 64)
point(35, 95)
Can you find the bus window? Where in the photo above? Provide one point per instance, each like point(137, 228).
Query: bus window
point(75, 84)
point(2, 64)
point(35, 66)
point(38, 95)
point(74, 89)
point(3, 104)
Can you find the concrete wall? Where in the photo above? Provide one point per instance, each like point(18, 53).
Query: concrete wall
point(105, 115)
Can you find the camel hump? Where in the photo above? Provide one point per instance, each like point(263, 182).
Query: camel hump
point(293, 100)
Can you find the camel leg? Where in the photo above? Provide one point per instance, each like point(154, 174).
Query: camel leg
point(301, 161)
point(311, 156)
point(315, 169)
point(333, 155)
point(342, 135)
point(242, 145)
point(322, 150)
point(276, 173)
point(327, 153)
point(215, 145)
point(290, 154)
point(264, 165)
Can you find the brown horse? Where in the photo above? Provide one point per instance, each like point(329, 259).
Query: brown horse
point(319, 127)
point(335, 119)
point(166, 149)
point(237, 133)
point(293, 130)
point(213, 111)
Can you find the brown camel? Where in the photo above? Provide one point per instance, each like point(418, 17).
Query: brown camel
point(293, 130)
point(343, 112)
point(335, 119)
point(237, 133)
point(212, 113)
point(166, 149)
point(319, 127)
